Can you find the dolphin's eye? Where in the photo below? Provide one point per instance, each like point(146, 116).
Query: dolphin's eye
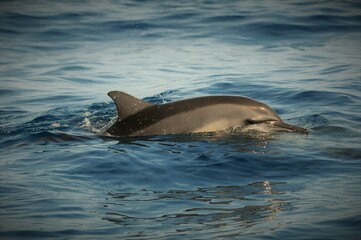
point(253, 121)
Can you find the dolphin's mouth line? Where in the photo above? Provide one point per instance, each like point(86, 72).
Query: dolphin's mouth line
point(289, 127)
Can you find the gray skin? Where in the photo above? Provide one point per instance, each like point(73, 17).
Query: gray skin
point(202, 114)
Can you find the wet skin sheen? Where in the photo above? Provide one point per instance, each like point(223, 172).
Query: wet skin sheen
point(202, 114)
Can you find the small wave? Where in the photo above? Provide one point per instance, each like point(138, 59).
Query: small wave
point(335, 69)
point(44, 138)
point(319, 97)
point(125, 25)
point(164, 97)
point(227, 18)
point(74, 68)
point(65, 119)
point(313, 121)
point(9, 91)
point(5, 31)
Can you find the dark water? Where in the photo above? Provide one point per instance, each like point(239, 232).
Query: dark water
point(59, 178)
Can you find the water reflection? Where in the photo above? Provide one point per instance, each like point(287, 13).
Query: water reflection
point(222, 210)
point(250, 142)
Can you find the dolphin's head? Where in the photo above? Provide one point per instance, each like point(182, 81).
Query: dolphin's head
point(271, 126)
point(263, 118)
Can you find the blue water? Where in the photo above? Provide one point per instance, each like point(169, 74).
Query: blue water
point(60, 178)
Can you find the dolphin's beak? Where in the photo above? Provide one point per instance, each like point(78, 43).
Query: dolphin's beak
point(290, 128)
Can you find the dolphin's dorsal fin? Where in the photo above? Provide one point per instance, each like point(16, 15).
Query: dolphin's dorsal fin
point(127, 105)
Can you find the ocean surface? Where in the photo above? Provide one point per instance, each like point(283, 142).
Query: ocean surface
point(62, 178)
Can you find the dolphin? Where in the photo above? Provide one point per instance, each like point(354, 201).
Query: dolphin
point(196, 115)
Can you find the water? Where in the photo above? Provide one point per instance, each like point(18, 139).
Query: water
point(61, 179)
